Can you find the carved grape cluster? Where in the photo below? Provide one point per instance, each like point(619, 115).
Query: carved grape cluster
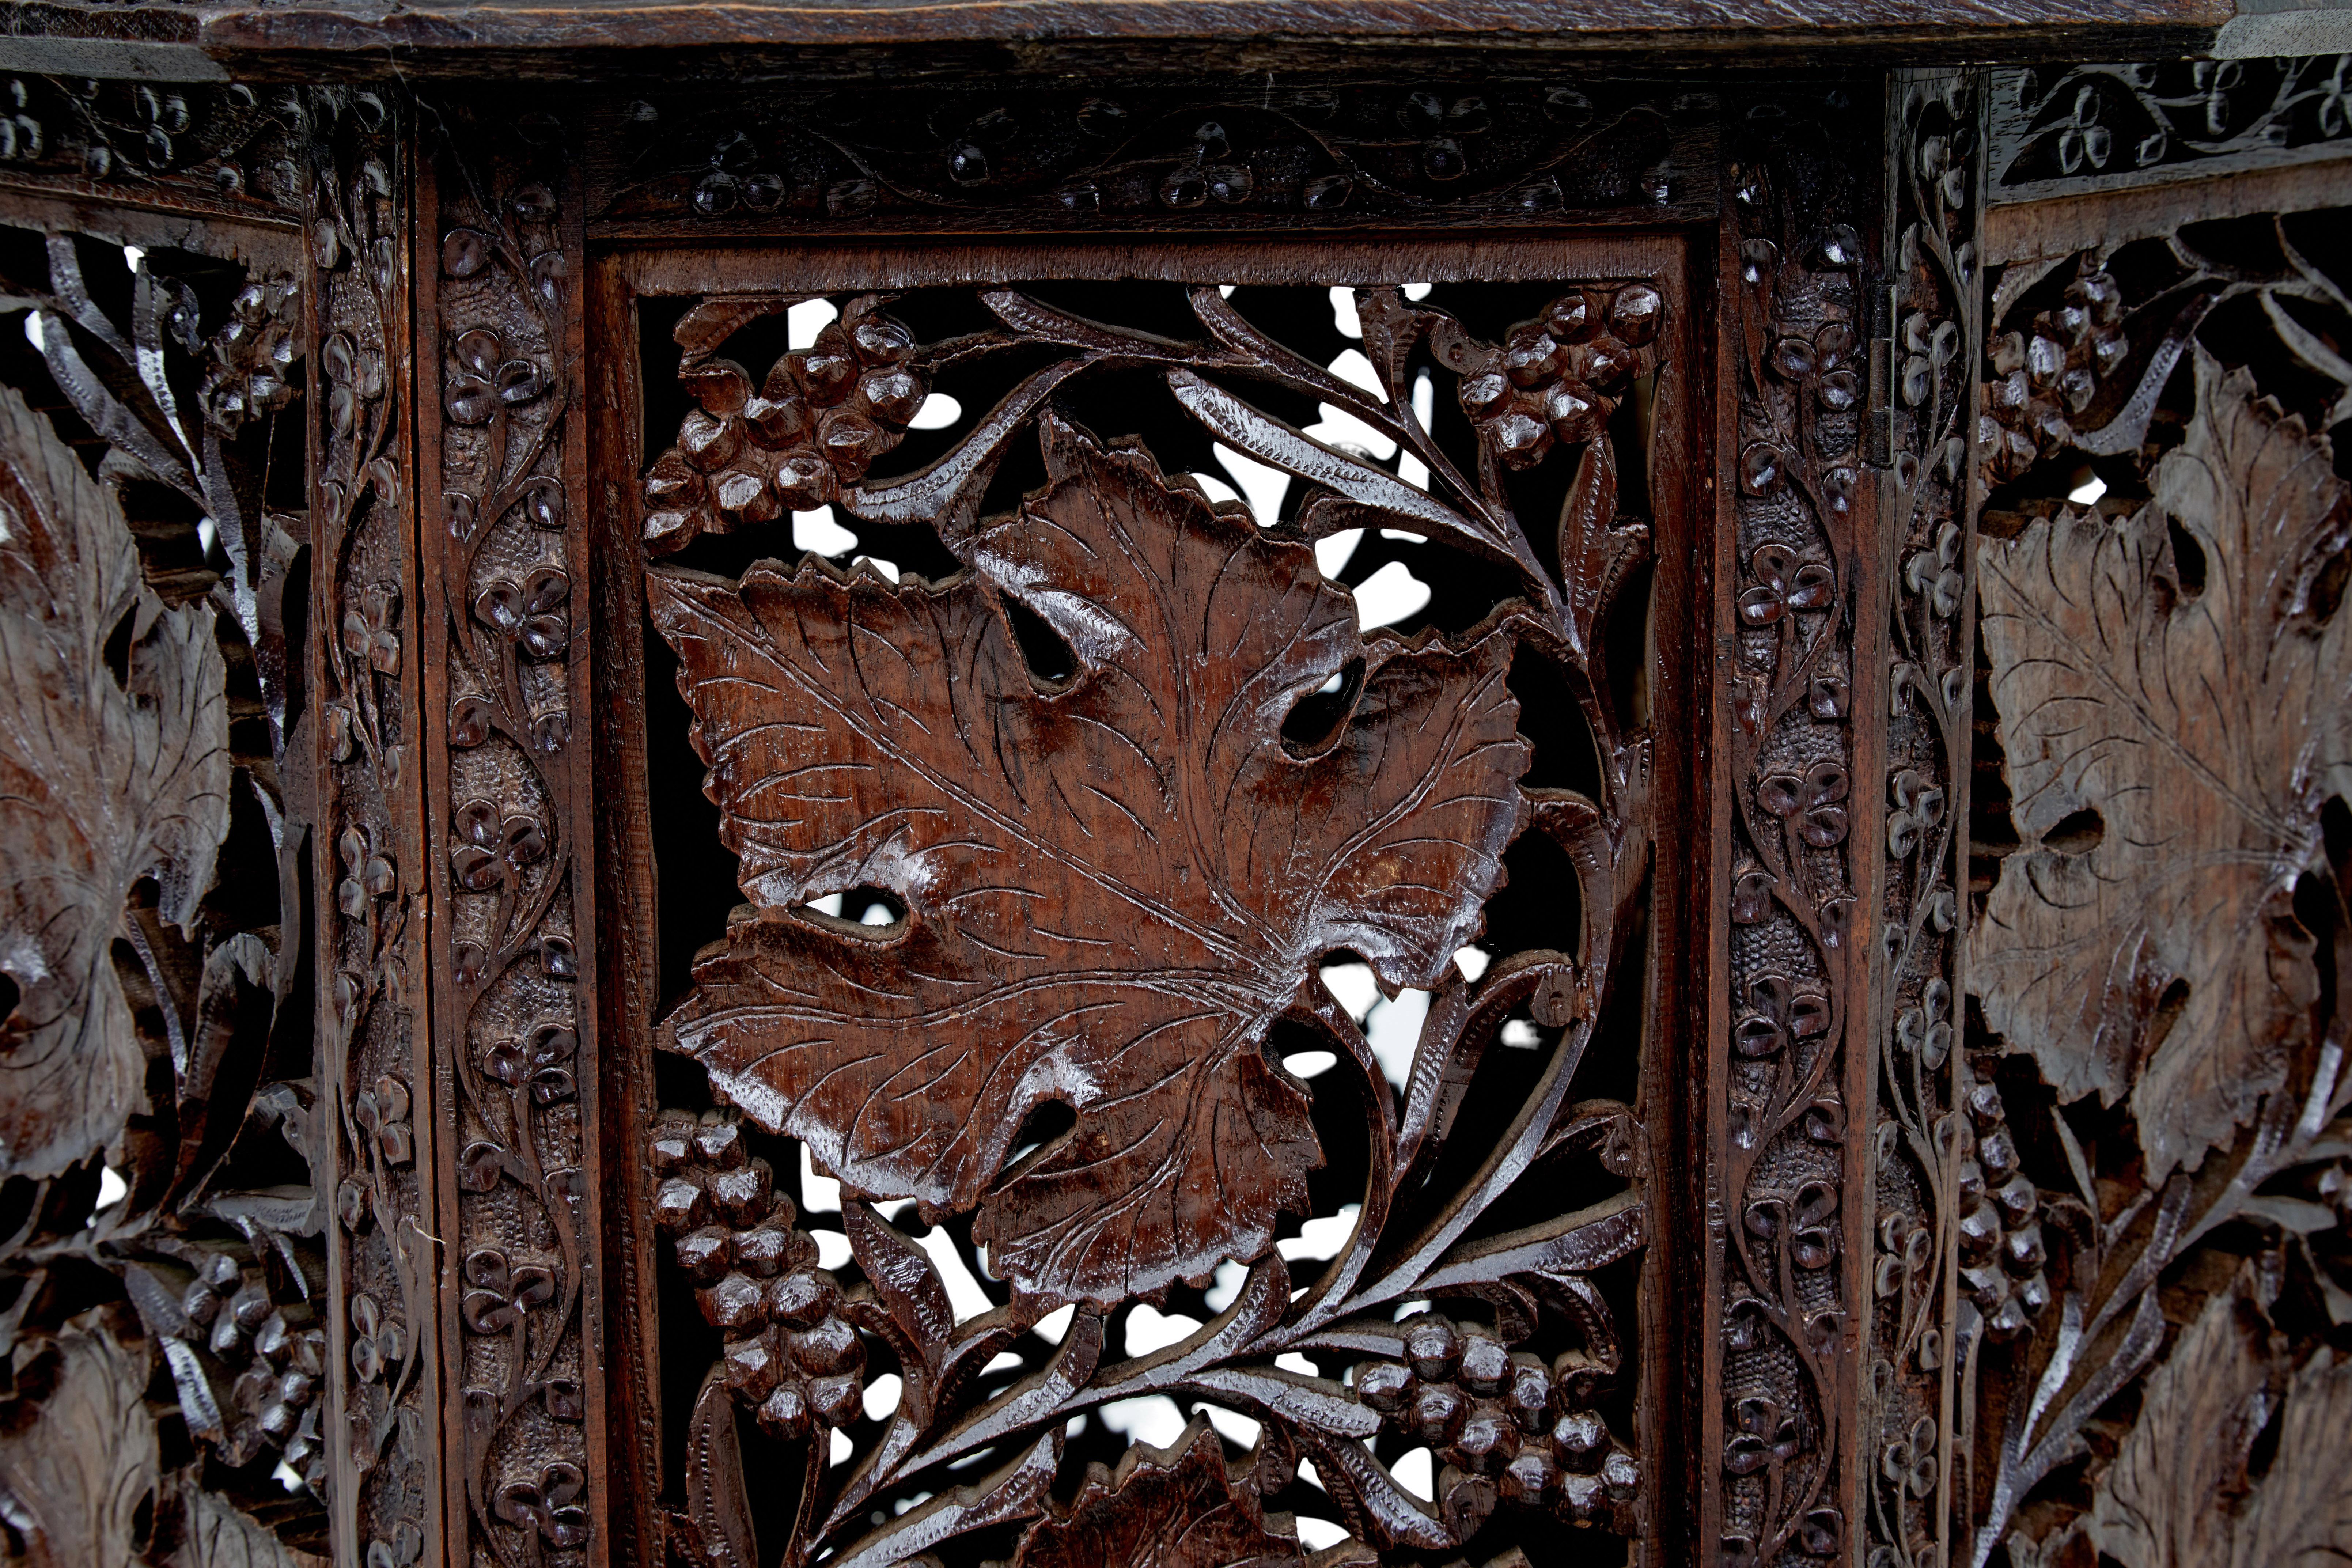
point(2001, 1250)
point(790, 1357)
point(1556, 377)
point(250, 361)
point(1506, 1426)
point(2048, 376)
point(276, 1353)
point(816, 424)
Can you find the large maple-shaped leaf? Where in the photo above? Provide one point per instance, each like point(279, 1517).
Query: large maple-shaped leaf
point(105, 778)
point(2193, 730)
point(1113, 880)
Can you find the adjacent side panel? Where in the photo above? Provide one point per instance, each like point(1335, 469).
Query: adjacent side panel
point(502, 444)
point(1781, 1318)
point(384, 1388)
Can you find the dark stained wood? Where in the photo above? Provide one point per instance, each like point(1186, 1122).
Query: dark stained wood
point(1111, 1039)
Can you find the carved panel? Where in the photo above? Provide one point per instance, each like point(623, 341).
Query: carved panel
point(1174, 782)
point(1785, 1250)
point(1155, 155)
point(507, 778)
point(156, 1114)
point(2159, 959)
point(2060, 129)
point(1919, 1186)
point(225, 149)
point(375, 1066)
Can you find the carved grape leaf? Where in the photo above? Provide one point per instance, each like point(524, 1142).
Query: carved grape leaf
point(2302, 1516)
point(1114, 876)
point(2179, 1494)
point(214, 1534)
point(2161, 1504)
point(77, 1451)
point(2204, 726)
point(1164, 1508)
point(105, 778)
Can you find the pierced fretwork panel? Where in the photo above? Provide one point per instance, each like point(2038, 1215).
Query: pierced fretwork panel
point(1147, 961)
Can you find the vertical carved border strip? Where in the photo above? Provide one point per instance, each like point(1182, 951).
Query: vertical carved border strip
point(370, 861)
point(510, 813)
point(1934, 202)
point(1780, 1322)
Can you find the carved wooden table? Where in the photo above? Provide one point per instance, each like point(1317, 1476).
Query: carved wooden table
point(1067, 785)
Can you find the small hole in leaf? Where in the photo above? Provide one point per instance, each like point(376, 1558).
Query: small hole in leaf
point(1050, 659)
point(2188, 560)
point(2076, 832)
point(870, 909)
point(1038, 1129)
point(2167, 1013)
point(1315, 719)
point(9, 995)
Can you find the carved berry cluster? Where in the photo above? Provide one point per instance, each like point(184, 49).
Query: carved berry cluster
point(816, 425)
point(789, 1354)
point(276, 1353)
point(2001, 1250)
point(2045, 378)
point(1555, 378)
point(1506, 1426)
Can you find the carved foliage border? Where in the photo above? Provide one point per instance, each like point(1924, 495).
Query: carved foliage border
point(507, 779)
point(1779, 1151)
point(1936, 294)
point(369, 849)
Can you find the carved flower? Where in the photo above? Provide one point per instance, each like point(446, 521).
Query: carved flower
point(355, 377)
point(547, 1505)
point(1909, 1461)
point(379, 1345)
point(818, 422)
point(382, 1113)
point(531, 612)
point(1814, 801)
point(488, 847)
point(367, 876)
point(1784, 584)
point(500, 1293)
point(1918, 810)
point(1907, 1251)
point(484, 377)
point(1763, 1433)
point(1778, 1012)
point(1079, 806)
point(372, 628)
point(1925, 1030)
point(538, 1061)
point(1553, 378)
point(1803, 1218)
point(1937, 573)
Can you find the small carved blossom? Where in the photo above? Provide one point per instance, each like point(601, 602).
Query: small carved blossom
point(1814, 801)
point(1925, 1030)
point(1763, 1433)
point(500, 1293)
point(547, 1505)
point(538, 1061)
point(1909, 1461)
point(1803, 1218)
point(486, 376)
point(530, 613)
point(372, 628)
point(382, 1113)
point(379, 1345)
point(1935, 574)
point(1783, 585)
point(1778, 1012)
point(1918, 810)
point(489, 847)
point(367, 876)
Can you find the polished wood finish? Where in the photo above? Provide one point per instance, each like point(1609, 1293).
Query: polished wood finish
point(1011, 785)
